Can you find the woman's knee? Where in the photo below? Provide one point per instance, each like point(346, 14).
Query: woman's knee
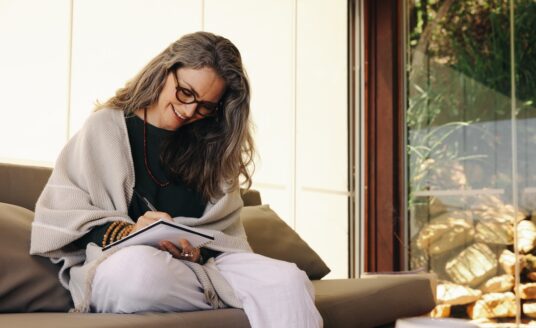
point(134, 272)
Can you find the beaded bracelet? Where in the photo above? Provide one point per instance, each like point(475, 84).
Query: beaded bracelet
point(107, 233)
point(116, 230)
point(125, 231)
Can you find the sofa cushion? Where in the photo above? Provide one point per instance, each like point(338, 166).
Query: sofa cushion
point(251, 197)
point(27, 283)
point(372, 302)
point(270, 236)
point(22, 184)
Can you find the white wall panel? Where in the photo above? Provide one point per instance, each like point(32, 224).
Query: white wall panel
point(279, 200)
point(322, 106)
point(263, 32)
point(322, 130)
point(34, 38)
point(113, 40)
point(323, 224)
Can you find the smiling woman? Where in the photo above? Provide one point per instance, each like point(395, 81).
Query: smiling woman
point(178, 106)
point(176, 136)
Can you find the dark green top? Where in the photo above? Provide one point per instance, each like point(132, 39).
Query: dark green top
point(175, 199)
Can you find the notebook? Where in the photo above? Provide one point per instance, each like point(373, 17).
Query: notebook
point(152, 234)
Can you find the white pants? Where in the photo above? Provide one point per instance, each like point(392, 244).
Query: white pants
point(142, 278)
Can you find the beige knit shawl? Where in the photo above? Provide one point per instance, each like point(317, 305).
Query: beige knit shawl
point(92, 184)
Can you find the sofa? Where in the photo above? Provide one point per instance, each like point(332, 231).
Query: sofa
point(31, 296)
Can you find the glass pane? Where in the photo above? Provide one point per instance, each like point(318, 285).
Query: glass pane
point(470, 149)
point(525, 112)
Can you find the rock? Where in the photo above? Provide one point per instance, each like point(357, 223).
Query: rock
point(526, 236)
point(427, 207)
point(493, 305)
point(529, 309)
point(528, 291)
point(446, 232)
point(494, 232)
point(473, 265)
point(441, 311)
point(487, 207)
point(449, 293)
point(436, 207)
point(509, 211)
point(498, 284)
point(418, 258)
point(486, 202)
point(529, 261)
point(507, 260)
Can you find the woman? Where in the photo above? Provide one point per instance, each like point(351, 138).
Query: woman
point(176, 137)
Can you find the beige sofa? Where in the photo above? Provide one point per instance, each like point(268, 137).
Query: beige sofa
point(31, 296)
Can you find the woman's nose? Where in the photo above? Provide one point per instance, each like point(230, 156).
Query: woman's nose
point(189, 110)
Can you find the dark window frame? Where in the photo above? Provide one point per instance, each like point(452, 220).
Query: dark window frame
point(385, 189)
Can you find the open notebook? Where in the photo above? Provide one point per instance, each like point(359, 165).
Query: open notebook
point(152, 234)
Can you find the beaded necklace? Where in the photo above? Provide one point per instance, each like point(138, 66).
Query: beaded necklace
point(158, 182)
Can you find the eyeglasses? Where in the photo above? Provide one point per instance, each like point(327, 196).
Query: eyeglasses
point(187, 96)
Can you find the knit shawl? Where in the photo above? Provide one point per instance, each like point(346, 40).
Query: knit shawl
point(92, 184)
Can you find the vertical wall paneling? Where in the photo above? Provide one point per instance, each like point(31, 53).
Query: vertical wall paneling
point(262, 31)
point(34, 35)
point(322, 130)
point(111, 46)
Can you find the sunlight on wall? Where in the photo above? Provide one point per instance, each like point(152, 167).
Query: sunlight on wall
point(34, 79)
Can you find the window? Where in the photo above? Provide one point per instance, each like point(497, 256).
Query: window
point(471, 135)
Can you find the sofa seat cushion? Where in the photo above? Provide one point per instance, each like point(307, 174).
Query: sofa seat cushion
point(372, 302)
point(227, 318)
point(27, 283)
point(270, 236)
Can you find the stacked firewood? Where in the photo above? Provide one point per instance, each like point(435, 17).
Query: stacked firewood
point(471, 249)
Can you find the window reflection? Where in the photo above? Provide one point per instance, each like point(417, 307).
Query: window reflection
point(468, 197)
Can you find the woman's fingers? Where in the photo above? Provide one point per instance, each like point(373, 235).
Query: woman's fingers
point(185, 245)
point(189, 252)
point(184, 252)
point(142, 222)
point(168, 246)
point(157, 215)
point(148, 218)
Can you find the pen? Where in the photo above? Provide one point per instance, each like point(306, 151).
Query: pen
point(146, 201)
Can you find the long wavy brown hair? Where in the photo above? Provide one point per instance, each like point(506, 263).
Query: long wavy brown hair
point(209, 153)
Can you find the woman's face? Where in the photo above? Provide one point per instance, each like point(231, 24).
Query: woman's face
point(204, 85)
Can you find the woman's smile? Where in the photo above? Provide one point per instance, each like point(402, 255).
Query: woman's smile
point(178, 116)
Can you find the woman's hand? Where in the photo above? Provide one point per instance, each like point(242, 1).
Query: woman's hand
point(148, 218)
point(184, 252)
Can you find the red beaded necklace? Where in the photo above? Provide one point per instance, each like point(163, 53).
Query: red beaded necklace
point(158, 182)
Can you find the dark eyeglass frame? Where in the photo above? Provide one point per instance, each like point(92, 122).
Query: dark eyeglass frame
point(211, 107)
